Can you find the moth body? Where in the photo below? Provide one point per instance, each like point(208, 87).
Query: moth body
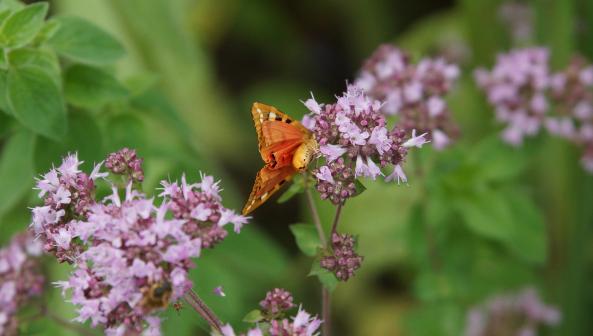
point(305, 154)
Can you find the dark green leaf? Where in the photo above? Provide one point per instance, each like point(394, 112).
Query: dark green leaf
point(22, 25)
point(3, 59)
point(5, 125)
point(306, 238)
point(90, 87)
point(3, 92)
point(253, 316)
point(16, 169)
point(84, 42)
point(36, 101)
point(327, 278)
point(360, 188)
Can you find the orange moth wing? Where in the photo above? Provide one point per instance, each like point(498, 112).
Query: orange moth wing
point(279, 136)
point(267, 182)
point(276, 131)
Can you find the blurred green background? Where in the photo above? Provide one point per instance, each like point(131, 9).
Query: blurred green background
point(475, 220)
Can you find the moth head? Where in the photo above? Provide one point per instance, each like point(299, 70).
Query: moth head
point(305, 154)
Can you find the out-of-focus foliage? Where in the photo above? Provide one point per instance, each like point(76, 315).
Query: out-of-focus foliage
point(176, 79)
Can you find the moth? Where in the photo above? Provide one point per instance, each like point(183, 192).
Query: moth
point(285, 146)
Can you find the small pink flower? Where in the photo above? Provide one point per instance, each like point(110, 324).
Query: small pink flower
point(219, 291)
point(332, 152)
point(416, 141)
point(440, 140)
point(397, 175)
point(313, 105)
point(325, 174)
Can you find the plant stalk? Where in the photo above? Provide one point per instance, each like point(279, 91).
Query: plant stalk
point(203, 310)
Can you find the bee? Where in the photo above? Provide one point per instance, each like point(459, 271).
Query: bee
point(157, 295)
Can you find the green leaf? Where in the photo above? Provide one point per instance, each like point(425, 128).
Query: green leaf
point(306, 238)
point(82, 41)
point(497, 161)
point(21, 26)
point(327, 278)
point(487, 214)
point(253, 316)
point(141, 83)
point(49, 29)
point(360, 188)
point(35, 99)
point(16, 169)
point(529, 238)
point(295, 188)
point(90, 87)
point(3, 92)
point(5, 13)
point(43, 59)
point(11, 5)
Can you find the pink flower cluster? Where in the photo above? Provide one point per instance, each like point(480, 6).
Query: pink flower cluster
point(277, 301)
point(572, 90)
point(522, 90)
point(520, 315)
point(516, 87)
point(198, 206)
point(355, 142)
point(125, 162)
point(414, 92)
point(273, 322)
point(344, 260)
point(131, 256)
point(68, 194)
point(20, 278)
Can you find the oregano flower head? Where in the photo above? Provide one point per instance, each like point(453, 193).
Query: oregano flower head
point(520, 314)
point(414, 92)
point(355, 142)
point(516, 87)
point(273, 321)
point(21, 278)
point(131, 253)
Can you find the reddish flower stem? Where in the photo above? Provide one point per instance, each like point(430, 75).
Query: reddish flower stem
point(336, 219)
point(203, 310)
point(315, 215)
point(325, 294)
